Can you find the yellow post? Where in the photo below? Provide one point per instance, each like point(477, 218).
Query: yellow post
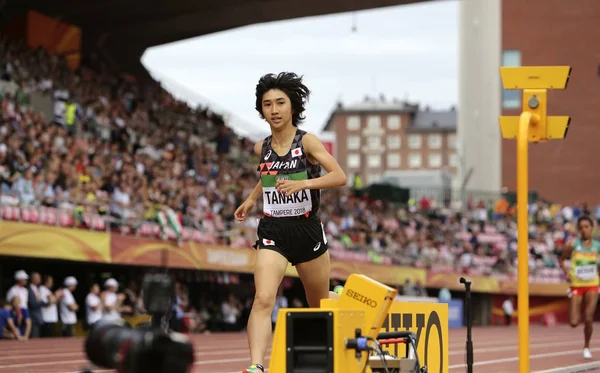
point(533, 125)
point(523, 240)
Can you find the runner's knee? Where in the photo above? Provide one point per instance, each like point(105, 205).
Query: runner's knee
point(264, 300)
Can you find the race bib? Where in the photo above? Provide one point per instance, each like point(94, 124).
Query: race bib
point(586, 272)
point(279, 205)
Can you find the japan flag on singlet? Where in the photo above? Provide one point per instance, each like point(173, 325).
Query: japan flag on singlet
point(296, 152)
point(268, 242)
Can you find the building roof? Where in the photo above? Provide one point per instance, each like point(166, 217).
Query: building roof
point(423, 120)
point(433, 121)
point(123, 30)
point(372, 105)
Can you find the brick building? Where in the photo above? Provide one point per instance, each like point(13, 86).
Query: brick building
point(397, 140)
point(557, 32)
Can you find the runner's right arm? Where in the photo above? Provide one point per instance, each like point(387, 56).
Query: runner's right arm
point(257, 191)
point(564, 255)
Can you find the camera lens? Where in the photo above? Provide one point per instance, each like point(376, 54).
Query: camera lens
point(105, 344)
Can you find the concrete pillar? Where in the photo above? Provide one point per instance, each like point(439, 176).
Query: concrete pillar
point(480, 94)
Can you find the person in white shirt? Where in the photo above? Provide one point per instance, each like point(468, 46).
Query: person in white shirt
point(93, 306)
point(507, 306)
point(19, 289)
point(231, 310)
point(50, 311)
point(111, 301)
point(68, 307)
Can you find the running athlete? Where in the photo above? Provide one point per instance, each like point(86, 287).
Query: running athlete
point(290, 183)
point(583, 277)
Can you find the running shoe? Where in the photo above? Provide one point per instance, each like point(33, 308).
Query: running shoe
point(587, 354)
point(255, 368)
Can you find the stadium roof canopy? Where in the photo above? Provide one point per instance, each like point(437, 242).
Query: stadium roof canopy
point(124, 29)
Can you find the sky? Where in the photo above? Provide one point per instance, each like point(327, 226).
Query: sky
point(405, 52)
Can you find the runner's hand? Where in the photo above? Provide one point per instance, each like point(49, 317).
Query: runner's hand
point(242, 212)
point(567, 275)
point(289, 187)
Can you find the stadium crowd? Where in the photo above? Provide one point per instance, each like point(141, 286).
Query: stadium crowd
point(118, 153)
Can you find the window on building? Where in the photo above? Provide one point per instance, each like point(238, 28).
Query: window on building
point(511, 99)
point(393, 141)
point(374, 121)
point(393, 160)
point(353, 160)
point(414, 160)
point(374, 178)
point(414, 141)
point(374, 160)
point(353, 123)
point(353, 142)
point(451, 141)
point(435, 160)
point(434, 141)
point(453, 160)
point(393, 122)
point(374, 141)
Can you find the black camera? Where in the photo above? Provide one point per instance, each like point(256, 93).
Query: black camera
point(146, 349)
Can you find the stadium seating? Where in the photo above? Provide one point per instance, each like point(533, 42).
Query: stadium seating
point(136, 136)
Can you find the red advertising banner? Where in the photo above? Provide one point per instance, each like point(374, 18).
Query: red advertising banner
point(148, 252)
point(538, 307)
point(490, 284)
point(44, 241)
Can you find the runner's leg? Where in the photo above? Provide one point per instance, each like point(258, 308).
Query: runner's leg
point(315, 278)
point(575, 310)
point(590, 302)
point(268, 273)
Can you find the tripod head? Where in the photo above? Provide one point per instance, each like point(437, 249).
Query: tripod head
point(466, 283)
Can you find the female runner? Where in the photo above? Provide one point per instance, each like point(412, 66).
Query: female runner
point(290, 183)
point(583, 278)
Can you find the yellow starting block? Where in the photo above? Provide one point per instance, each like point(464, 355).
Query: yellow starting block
point(323, 340)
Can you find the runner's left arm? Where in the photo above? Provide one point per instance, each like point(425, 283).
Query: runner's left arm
point(566, 253)
point(315, 151)
point(316, 154)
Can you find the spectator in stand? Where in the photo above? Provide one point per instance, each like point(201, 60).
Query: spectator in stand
point(35, 305)
point(19, 289)
point(50, 310)
point(68, 307)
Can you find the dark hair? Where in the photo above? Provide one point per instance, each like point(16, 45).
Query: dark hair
point(290, 84)
point(585, 218)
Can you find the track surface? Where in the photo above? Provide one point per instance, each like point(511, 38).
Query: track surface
point(496, 351)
